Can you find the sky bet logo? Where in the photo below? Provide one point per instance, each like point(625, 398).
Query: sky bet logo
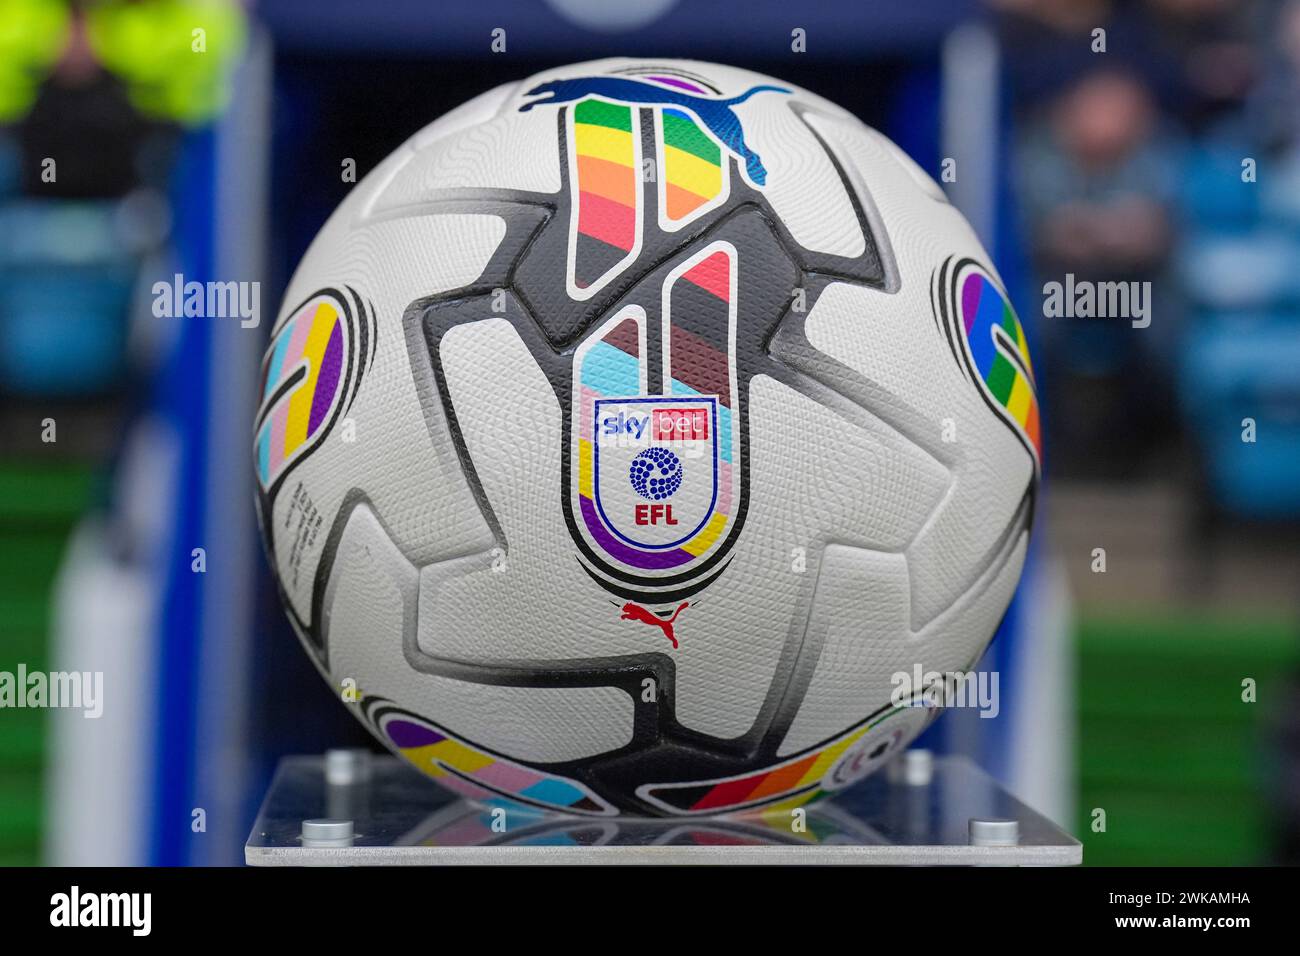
point(624, 424)
point(665, 424)
point(681, 424)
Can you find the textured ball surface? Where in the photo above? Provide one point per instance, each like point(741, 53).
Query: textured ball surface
point(630, 428)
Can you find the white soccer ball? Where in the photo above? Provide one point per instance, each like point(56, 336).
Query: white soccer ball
point(629, 429)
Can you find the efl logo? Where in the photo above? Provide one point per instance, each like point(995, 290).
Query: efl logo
point(655, 466)
point(681, 424)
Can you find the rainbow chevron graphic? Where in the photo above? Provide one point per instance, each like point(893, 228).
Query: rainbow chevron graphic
point(312, 344)
point(474, 772)
point(312, 370)
point(699, 294)
point(605, 144)
point(989, 341)
point(797, 781)
point(694, 179)
point(1010, 382)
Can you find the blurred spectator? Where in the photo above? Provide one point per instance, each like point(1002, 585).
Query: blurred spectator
point(1273, 110)
point(81, 115)
point(1052, 43)
point(1098, 175)
point(1216, 62)
point(1276, 112)
point(1059, 16)
point(1100, 180)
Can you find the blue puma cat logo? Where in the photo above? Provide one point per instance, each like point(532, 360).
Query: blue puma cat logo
point(717, 115)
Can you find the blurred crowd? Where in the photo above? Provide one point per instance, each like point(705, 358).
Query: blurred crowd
point(94, 97)
point(1159, 142)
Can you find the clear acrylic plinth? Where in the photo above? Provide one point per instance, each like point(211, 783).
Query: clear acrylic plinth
point(917, 812)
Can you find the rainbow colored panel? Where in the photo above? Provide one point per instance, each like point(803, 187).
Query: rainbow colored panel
point(310, 346)
point(779, 788)
point(606, 190)
point(700, 309)
point(699, 316)
point(480, 775)
point(611, 367)
point(693, 171)
point(991, 330)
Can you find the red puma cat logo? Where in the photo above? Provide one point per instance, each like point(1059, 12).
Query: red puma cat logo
point(635, 612)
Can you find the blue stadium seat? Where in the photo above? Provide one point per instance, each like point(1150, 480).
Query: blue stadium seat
point(66, 281)
point(1254, 269)
point(1247, 366)
point(1213, 194)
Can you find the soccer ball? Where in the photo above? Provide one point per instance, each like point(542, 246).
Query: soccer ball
point(629, 431)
